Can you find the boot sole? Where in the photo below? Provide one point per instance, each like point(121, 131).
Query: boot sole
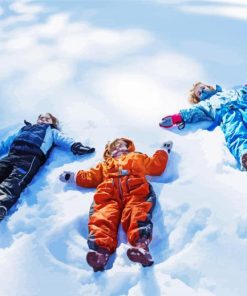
point(136, 255)
point(92, 260)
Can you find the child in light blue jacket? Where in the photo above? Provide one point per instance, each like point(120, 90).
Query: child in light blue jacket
point(226, 108)
point(26, 151)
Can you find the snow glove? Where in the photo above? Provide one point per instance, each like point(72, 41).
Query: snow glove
point(67, 177)
point(171, 120)
point(167, 146)
point(79, 149)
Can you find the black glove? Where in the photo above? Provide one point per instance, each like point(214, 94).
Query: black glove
point(78, 148)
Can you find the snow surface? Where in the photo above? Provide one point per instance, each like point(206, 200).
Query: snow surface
point(102, 84)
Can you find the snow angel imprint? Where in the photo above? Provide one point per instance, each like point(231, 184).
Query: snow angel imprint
point(123, 196)
point(27, 150)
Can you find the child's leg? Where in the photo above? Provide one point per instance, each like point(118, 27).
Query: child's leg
point(23, 170)
point(136, 217)
point(103, 225)
point(136, 220)
point(5, 167)
point(235, 131)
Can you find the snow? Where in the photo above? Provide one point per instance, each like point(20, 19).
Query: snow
point(99, 93)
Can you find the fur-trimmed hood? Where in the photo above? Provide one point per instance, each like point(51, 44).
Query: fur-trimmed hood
point(130, 144)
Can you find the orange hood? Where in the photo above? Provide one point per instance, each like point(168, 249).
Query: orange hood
point(130, 144)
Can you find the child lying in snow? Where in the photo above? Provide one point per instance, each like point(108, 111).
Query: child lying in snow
point(27, 150)
point(226, 108)
point(123, 195)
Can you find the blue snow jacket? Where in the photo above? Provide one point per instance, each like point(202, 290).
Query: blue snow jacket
point(228, 108)
point(35, 139)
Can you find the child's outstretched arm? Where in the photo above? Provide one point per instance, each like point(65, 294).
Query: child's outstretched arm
point(91, 178)
point(155, 165)
point(77, 148)
point(202, 111)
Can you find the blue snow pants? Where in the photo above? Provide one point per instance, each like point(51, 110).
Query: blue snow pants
point(234, 127)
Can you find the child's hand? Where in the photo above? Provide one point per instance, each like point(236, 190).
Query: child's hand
point(170, 120)
point(79, 149)
point(67, 177)
point(167, 146)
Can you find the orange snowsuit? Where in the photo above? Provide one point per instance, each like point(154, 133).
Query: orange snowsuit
point(123, 195)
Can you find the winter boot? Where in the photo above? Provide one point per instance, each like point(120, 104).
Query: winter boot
point(244, 162)
point(140, 253)
point(3, 212)
point(98, 259)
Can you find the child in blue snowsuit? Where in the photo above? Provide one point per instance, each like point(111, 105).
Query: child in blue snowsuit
point(27, 150)
point(226, 108)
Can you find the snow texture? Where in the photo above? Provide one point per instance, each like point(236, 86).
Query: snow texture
point(103, 83)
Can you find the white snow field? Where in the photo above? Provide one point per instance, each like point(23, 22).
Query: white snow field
point(105, 74)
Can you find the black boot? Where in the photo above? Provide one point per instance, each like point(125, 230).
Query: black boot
point(3, 212)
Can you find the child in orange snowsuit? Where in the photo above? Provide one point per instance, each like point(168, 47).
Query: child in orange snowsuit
point(123, 196)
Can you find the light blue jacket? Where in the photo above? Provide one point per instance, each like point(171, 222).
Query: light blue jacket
point(216, 106)
point(228, 109)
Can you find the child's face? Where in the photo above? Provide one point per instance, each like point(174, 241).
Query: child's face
point(119, 148)
point(200, 87)
point(44, 118)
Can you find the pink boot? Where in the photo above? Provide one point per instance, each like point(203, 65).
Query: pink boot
point(140, 253)
point(98, 259)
